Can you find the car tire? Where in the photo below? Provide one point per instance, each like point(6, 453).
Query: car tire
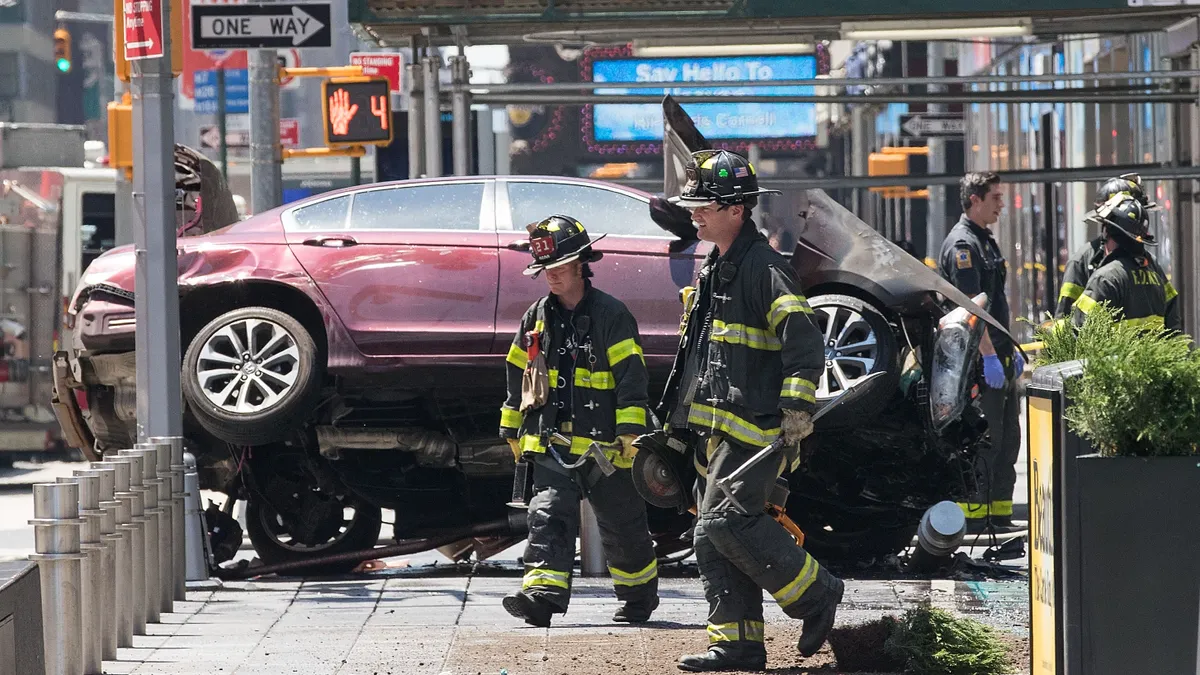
point(264, 529)
point(289, 369)
point(846, 321)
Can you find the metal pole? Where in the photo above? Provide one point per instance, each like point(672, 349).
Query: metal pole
point(134, 498)
point(126, 560)
point(416, 119)
point(460, 106)
point(56, 526)
point(153, 517)
point(433, 115)
point(1190, 305)
point(355, 171)
point(266, 166)
point(485, 143)
point(935, 230)
point(123, 210)
point(222, 149)
point(92, 569)
point(178, 519)
point(110, 588)
point(859, 155)
point(197, 533)
point(157, 311)
point(158, 457)
point(591, 556)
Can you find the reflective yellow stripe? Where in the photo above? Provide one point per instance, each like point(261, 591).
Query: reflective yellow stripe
point(579, 445)
point(973, 510)
point(784, 305)
point(511, 419)
point(601, 379)
point(1151, 322)
point(1085, 303)
point(1070, 290)
point(539, 326)
point(741, 334)
point(732, 425)
point(798, 387)
point(646, 575)
point(623, 350)
point(545, 577)
point(517, 356)
point(1171, 292)
point(632, 415)
point(794, 590)
point(732, 632)
point(1002, 508)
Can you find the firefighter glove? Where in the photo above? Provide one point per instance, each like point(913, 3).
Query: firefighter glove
point(516, 448)
point(993, 371)
point(797, 426)
point(1018, 364)
point(628, 450)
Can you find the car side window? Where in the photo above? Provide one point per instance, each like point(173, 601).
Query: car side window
point(453, 206)
point(601, 211)
point(327, 215)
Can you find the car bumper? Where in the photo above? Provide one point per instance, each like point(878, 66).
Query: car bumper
point(102, 326)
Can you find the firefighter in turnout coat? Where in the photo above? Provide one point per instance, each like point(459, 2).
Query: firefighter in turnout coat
point(591, 387)
point(744, 375)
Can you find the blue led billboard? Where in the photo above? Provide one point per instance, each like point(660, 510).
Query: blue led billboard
point(621, 123)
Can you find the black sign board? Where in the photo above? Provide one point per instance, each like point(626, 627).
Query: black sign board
point(357, 111)
point(273, 26)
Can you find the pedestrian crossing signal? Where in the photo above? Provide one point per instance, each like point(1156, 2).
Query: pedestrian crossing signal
point(357, 111)
point(62, 50)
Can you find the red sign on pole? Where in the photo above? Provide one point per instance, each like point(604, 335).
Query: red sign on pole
point(143, 29)
point(380, 64)
point(289, 132)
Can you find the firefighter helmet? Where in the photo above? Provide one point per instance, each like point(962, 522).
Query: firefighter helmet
point(722, 177)
point(1124, 217)
point(1129, 183)
point(558, 240)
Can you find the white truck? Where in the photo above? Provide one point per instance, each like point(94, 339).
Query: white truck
point(54, 220)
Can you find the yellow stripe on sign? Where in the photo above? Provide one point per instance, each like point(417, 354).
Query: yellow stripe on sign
point(635, 414)
point(643, 576)
point(511, 419)
point(623, 350)
point(517, 357)
point(1070, 290)
point(784, 305)
point(794, 590)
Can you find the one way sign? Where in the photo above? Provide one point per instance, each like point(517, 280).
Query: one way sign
point(932, 125)
point(284, 24)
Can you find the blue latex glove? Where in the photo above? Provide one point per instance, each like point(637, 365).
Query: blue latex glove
point(993, 371)
point(1018, 364)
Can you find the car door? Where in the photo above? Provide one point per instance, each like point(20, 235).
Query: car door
point(409, 268)
point(638, 267)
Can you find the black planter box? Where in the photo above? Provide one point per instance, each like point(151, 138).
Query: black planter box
point(1136, 557)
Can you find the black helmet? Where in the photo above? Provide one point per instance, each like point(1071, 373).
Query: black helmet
point(1124, 217)
point(719, 176)
point(559, 240)
point(1129, 183)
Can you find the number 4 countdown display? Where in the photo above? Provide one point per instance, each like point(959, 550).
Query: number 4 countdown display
point(357, 111)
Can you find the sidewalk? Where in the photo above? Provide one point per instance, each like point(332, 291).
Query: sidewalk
point(447, 620)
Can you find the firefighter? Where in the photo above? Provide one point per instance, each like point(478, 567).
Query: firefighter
point(1087, 259)
point(971, 260)
point(591, 387)
point(744, 375)
point(1128, 277)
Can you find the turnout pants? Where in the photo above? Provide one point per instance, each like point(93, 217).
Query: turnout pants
point(739, 555)
point(554, 526)
point(996, 466)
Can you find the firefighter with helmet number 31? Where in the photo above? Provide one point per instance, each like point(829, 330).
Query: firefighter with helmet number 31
point(744, 375)
point(576, 368)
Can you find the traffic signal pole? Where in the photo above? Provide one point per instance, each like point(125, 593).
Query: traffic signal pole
point(266, 162)
point(159, 397)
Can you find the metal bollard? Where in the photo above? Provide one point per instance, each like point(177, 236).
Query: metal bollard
point(56, 528)
point(179, 545)
point(111, 539)
point(161, 454)
point(152, 514)
point(133, 506)
point(92, 570)
point(196, 531)
point(938, 536)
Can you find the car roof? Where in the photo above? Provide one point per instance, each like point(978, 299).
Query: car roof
point(468, 179)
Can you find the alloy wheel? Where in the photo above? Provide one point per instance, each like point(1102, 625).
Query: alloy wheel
point(248, 366)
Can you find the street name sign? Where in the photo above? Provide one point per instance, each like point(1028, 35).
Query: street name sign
point(270, 26)
point(932, 125)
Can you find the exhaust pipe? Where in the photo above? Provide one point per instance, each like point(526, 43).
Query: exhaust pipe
point(514, 523)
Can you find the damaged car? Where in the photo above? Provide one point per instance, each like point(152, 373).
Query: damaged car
point(345, 353)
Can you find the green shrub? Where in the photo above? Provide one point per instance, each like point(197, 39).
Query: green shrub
point(1139, 394)
point(932, 641)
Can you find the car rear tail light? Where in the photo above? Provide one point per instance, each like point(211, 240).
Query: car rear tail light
point(958, 336)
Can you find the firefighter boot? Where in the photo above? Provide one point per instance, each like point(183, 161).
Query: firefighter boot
point(736, 655)
point(818, 626)
point(534, 612)
point(631, 612)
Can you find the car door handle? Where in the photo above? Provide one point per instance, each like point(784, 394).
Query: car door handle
point(519, 245)
point(334, 241)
